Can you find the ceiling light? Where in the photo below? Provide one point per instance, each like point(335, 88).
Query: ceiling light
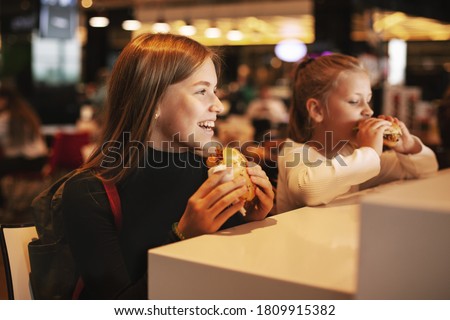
point(86, 3)
point(99, 22)
point(235, 35)
point(213, 32)
point(290, 50)
point(161, 26)
point(131, 25)
point(188, 29)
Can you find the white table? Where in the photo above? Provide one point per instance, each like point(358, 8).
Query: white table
point(405, 241)
point(308, 253)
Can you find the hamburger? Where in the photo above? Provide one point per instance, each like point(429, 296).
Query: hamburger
point(234, 159)
point(392, 135)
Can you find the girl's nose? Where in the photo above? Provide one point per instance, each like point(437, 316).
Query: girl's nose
point(217, 106)
point(367, 111)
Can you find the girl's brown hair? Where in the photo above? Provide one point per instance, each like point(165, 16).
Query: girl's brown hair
point(144, 70)
point(314, 78)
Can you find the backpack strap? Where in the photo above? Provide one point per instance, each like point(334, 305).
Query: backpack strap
point(114, 202)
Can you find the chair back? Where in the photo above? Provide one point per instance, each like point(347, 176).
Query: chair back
point(14, 239)
point(67, 150)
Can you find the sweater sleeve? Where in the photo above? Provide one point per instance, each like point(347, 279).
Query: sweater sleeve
point(94, 241)
point(396, 166)
point(315, 180)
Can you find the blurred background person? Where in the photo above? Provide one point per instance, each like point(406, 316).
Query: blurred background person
point(443, 153)
point(266, 112)
point(241, 91)
point(23, 150)
point(22, 145)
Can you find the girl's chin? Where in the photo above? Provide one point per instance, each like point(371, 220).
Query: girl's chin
point(200, 142)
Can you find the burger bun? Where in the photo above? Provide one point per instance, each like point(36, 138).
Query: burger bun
point(392, 135)
point(234, 159)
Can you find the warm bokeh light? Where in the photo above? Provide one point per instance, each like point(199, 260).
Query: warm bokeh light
point(386, 25)
point(235, 35)
point(131, 25)
point(161, 27)
point(255, 30)
point(213, 32)
point(290, 50)
point(187, 30)
point(99, 22)
point(86, 3)
point(397, 61)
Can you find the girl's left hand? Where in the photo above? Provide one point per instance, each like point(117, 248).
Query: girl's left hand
point(407, 143)
point(260, 206)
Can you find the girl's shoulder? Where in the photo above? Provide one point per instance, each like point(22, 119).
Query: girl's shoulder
point(83, 177)
point(83, 183)
point(290, 146)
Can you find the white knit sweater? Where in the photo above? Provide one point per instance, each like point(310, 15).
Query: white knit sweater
point(307, 178)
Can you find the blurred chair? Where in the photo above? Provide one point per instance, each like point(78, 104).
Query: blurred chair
point(66, 153)
point(14, 239)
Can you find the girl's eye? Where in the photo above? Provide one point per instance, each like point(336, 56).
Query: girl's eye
point(202, 92)
point(353, 102)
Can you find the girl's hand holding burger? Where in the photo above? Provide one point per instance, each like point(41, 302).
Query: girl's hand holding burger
point(212, 205)
point(406, 144)
point(260, 206)
point(370, 133)
point(226, 192)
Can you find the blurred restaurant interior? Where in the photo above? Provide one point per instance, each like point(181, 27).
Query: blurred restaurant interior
point(58, 55)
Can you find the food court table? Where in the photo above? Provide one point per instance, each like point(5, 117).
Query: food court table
point(308, 253)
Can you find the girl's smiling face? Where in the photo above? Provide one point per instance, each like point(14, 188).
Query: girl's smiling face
point(188, 111)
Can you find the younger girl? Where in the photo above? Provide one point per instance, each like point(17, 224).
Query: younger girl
point(335, 144)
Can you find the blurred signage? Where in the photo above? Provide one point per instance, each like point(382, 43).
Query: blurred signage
point(22, 22)
point(58, 19)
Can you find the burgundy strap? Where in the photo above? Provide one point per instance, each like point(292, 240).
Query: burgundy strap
point(114, 202)
point(78, 287)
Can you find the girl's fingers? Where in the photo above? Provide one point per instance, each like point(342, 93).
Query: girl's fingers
point(265, 200)
point(221, 204)
point(263, 183)
point(211, 183)
point(260, 178)
point(223, 191)
point(374, 125)
point(223, 216)
point(256, 171)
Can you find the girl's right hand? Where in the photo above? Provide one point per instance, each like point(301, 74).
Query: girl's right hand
point(370, 133)
point(212, 205)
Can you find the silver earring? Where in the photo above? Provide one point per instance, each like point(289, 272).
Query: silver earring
point(156, 116)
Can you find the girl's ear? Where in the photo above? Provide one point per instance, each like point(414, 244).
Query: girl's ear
point(157, 112)
point(315, 110)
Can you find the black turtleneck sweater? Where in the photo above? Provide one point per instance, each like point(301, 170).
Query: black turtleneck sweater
point(113, 263)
